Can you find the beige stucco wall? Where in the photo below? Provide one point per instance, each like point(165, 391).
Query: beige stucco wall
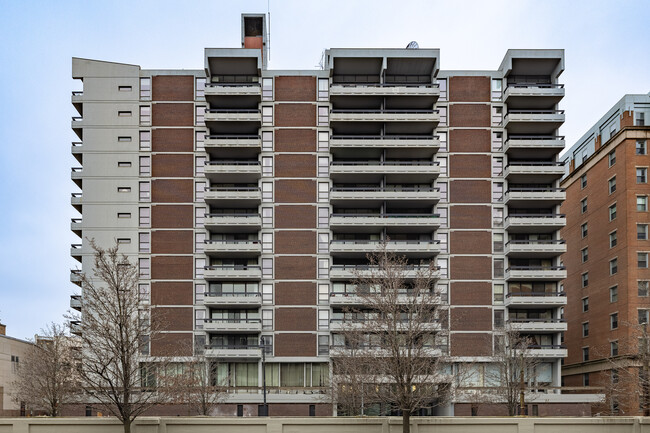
point(9, 346)
point(330, 425)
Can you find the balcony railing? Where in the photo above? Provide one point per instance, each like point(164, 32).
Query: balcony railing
point(537, 242)
point(384, 137)
point(535, 189)
point(232, 188)
point(245, 320)
point(231, 267)
point(232, 137)
point(232, 242)
point(395, 84)
point(369, 267)
point(233, 110)
point(533, 112)
point(534, 320)
point(535, 85)
point(77, 118)
point(384, 189)
point(535, 268)
point(536, 215)
point(77, 93)
point(241, 215)
point(233, 294)
point(244, 84)
point(534, 137)
point(535, 163)
point(227, 163)
point(384, 163)
point(535, 294)
point(380, 111)
point(385, 215)
point(374, 242)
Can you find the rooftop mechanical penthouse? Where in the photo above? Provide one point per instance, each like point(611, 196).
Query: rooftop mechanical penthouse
point(248, 197)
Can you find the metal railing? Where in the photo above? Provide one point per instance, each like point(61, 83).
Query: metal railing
point(384, 111)
point(384, 189)
point(534, 84)
point(77, 118)
point(233, 346)
point(384, 163)
point(77, 169)
point(535, 294)
point(75, 246)
point(231, 267)
point(232, 188)
point(383, 215)
point(536, 242)
point(233, 241)
point(77, 144)
point(535, 268)
point(368, 267)
point(228, 163)
point(535, 189)
point(77, 93)
point(535, 137)
point(76, 194)
point(233, 294)
point(241, 84)
point(384, 137)
point(394, 84)
point(232, 137)
point(233, 110)
point(75, 220)
point(538, 163)
point(536, 215)
point(241, 320)
point(243, 215)
point(534, 320)
point(373, 241)
point(534, 112)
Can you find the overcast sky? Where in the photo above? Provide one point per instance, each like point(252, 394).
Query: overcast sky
point(607, 55)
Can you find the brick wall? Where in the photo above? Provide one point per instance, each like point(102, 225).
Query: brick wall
point(172, 216)
point(295, 166)
point(470, 217)
point(288, 344)
point(295, 191)
point(295, 115)
point(474, 242)
point(295, 88)
point(172, 242)
point(295, 140)
point(295, 242)
point(172, 165)
point(470, 191)
point(172, 191)
point(295, 319)
point(295, 268)
point(299, 217)
point(172, 268)
point(471, 115)
point(292, 293)
point(172, 88)
point(470, 140)
point(172, 140)
point(172, 114)
point(469, 89)
point(172, 293)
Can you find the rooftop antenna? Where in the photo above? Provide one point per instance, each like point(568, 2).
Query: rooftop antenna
point(412, 46)
point(268, 32)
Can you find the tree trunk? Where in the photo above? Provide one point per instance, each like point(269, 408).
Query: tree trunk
point(127, 425)
point(406, 421)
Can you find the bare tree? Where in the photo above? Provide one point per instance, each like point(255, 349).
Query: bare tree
point(389, 354)
point(116, 371)
point(47, 377)
point(513, 375)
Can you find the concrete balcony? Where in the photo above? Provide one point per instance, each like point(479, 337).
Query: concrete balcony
point(535, 299)
point(344, 299)
point(234, 272)
point(352, 248)
point(533, 146)
point(547, 351)
point(233, 145)
point(533, 121)
point(344, 324)
point(226, 196)
point(526, 197)
point(399, 146)
point(387, 115)
point(77, 149)
point(245, 326)
point(233, 171)
point(75, 327)
point(349, 272)
point(75, 276)
point(533, 95)
point(537, 273)
point(76, 201)
point(233, 89)
point(406, 222)
point(75, 302)
point(534, 223)
point(216, 115)
point(394, 171)
point(371, 350)
point(537, 171)
point(535, 248)
point(76, 226)
point(235, 249)
point(232, 299)
point(77, 122)
point(76, 174)
point(76, 250)
point(376, 195)
point(77, 96)
point(431, 90)
point(233, 352)
point(537, 325)
point(233, 222)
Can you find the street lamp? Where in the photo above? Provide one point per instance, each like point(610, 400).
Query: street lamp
point(264, 410)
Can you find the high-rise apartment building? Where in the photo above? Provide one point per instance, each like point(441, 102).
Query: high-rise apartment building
point(248, 197)
point(607, 236)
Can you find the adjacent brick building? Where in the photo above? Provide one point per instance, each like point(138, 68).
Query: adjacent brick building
point(249, 196)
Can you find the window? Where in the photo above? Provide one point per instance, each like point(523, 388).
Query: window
point(442, 187)
point(323, 191)
point(145, 115)
point(145, 166)
point(497, 217)
point(442, 239)
point(497, 166)
point(124, 139)
point(143, 290)
point(642, 260)
point(124, 215)
point(144, 265)
point(267, 141)
point(323, 166)
point(199, 139)
point(145, 217)
point(200, 115)
point(144, 242)
point(124, 164)
point(641, 175)
point(584, 230)
point(497, 115)
point(585, 305)
point(613, 321)
point(497, 294)
point(199, 191)
point(497, 141)
point(199, 216)
point(639, 118)
point(199, 91)
point(267, 242)
point(267, 268)
point(585, 329)
point(584, 254)
point(199, 268)
point(323, 319)
point(642, 232)
point(498, 268)
point(323, 268)
point(323, 115)
point(643, 288)
point(442, 216)
point(323, 242)
point(611, 158)
point(323, 217)
point(442, 137)
point(612, 212)
point(497, 242)
point(583, 181)
point(613, 348)
point(585, 354)
point(443, 290)
point(145, 88)
point(323, 89)
point(641, 147)
point(267, 89)
point(124, 88)
point(442, 85)
point(585, 379)
point(613, 239)
point(199, 319)
point(123, 189)
point(145, 140)
point(583, 205)
point(498, 318)
point(497, 191)
point(267, 319)
point(613, 266)
point(613, 294)
point(267, 217)
point(442, 163)
point(199, 166)
point(443, 267)
point(442, 111)
point(612, 185)
point(323, 293)
point(124, 113)
point(199, 242)
point(267, 191)
point(585, 279)
point(267, 166)
point(642, 203)
point(642, 316)
point(123, 240)
point(496, 89)
point(323, 141)
point(323, 344)
point(267, 293)
point(267, 115)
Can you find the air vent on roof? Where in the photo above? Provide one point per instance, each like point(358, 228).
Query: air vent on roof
point(412, 46)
